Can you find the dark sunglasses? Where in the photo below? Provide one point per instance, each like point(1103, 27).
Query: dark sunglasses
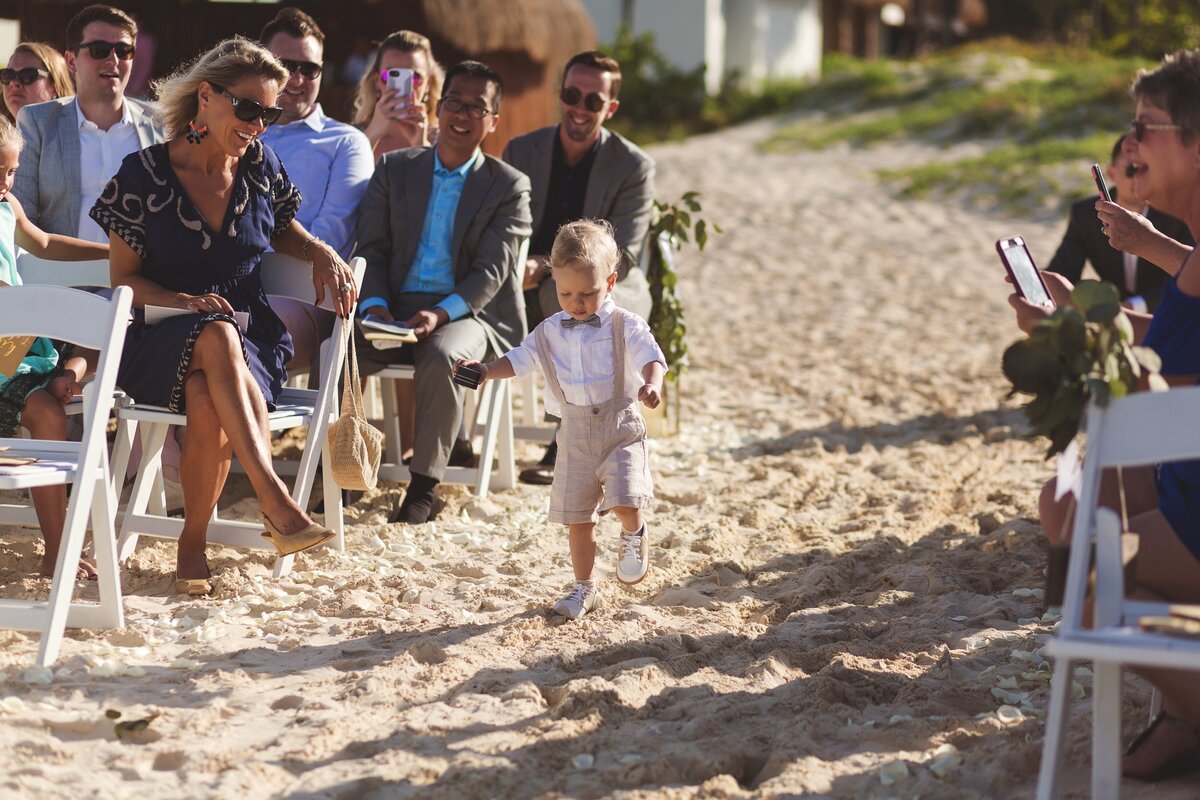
point(25, 76)
point(1139, 128)
point(456, 106)
point(306, 68)
point(592, 101)
point(100, 49)
point(249, 110)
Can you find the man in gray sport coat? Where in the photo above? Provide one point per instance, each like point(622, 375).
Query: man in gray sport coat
point(441, 230)
point(578, 169)
point(74, 145)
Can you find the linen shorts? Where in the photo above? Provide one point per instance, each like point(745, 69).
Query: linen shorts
point(602, 462)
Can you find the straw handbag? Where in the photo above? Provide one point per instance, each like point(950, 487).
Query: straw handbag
point(355, 445)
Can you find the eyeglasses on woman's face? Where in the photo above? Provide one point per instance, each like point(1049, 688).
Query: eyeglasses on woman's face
point(1140, 128)
point(100, 49)
point(249, 110)
point(25, 76)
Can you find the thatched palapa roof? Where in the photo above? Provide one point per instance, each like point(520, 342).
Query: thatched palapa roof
point(545, 30)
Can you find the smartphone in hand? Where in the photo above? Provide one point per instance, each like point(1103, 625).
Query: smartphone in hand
point(400, 78)
point(1019, 263)
point(1101, 184)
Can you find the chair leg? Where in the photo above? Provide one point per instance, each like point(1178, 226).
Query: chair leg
point(63, 584)
point(1056, 720)
point(334, 512)
point(153, 436)
point(491, 402)
point(1106, 731)
point(392, 450)
point(506, 468)
point(104, 541)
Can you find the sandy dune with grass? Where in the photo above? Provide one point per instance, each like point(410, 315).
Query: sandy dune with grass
point(845, 593)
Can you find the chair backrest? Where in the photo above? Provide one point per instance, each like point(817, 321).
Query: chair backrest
point(287, 276)
point(81, 318)
point(35, 270)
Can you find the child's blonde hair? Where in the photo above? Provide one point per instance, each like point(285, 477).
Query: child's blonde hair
point(586, 243)
point(9, 135)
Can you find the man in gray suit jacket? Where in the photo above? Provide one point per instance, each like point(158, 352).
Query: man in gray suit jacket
point(441, 230)
point(578, 169)
point(74, 145)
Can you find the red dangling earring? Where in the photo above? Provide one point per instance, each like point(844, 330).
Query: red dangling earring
point(194, 134)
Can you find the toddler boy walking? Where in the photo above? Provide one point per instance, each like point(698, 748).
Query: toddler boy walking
point(598, 361)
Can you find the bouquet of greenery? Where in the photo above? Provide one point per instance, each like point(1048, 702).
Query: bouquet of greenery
point(1083, 352)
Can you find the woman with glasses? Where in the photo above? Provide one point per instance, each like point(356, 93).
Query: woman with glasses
point(392, 118)
point(1162, 503)
point(188, 222)
point(36, 72)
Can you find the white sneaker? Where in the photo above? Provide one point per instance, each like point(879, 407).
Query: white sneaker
point(584, 597)
point(633, 562)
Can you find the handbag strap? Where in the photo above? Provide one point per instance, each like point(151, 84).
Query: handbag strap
point(352, 403)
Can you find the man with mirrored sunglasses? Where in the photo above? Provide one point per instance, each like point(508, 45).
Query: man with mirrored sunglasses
point(579, 169)
point(74, 145)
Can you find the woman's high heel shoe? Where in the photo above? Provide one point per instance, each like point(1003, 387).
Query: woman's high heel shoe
point(290, 543)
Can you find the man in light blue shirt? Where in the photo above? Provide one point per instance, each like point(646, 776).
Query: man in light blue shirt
point(329, 161)
point(441, 230)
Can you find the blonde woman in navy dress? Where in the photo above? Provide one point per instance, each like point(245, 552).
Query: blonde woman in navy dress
point(188, 221)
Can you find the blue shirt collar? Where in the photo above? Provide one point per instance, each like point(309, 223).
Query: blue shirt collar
point(462, 171)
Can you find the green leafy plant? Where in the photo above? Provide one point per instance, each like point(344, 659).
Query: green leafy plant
point(1083, 352)
point(671, 226)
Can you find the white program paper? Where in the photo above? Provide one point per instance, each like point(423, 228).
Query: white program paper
point(156, 314)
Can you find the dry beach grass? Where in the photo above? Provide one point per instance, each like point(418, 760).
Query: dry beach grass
point(843, 601)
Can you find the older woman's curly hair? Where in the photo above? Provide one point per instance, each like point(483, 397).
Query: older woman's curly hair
point(370, 88)
point(224, 65)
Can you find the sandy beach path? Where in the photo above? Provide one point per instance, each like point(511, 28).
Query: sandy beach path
point(845, 583)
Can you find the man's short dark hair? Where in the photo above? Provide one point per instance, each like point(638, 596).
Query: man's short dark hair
point(294, 23)
point(98, 13)
point(1116, 151)
point(598, 61)
point(475, 69)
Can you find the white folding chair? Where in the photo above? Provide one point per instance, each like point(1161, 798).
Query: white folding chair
point(533, 426)
point(489, 417)
point(286, 277)
point(98, 324)
point(73, 274)
point(1138, 430)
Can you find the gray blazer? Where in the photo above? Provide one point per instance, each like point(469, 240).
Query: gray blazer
point(490, 226)
point(48, 182)
point(620, 186)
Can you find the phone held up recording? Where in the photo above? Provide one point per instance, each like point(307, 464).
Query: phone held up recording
point(1101, 184)
point(1024, 273)
point(402, 79)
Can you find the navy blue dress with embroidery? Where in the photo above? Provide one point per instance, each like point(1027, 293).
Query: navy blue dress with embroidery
point(1175, 335)
point(146, 206)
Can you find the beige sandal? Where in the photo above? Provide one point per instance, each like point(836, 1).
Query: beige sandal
point(290, 543)
point(193, 587)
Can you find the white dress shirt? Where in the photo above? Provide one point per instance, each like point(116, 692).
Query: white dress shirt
point(583, 357)
point(100, 156)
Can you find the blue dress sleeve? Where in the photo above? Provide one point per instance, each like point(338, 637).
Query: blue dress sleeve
point(122, 206)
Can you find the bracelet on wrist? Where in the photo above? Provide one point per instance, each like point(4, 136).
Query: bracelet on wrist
point(304, 248)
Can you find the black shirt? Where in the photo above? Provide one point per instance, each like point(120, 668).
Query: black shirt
point(564, 195)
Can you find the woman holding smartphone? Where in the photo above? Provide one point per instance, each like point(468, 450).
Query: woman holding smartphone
point(394, 118)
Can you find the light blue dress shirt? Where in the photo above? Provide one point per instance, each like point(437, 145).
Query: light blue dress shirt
point(331, 163)
point(432, 270)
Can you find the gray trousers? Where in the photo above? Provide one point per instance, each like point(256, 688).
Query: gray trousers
point(439, 399)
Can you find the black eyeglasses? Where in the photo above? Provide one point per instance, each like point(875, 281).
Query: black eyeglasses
point(308, 69)
point(456, 106)
point(249, 110)
point(1139, 128)
point(25, 76)
point(592, 101)
point(99, 49)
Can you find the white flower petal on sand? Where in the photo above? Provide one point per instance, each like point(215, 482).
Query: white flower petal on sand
point(1009, 714)
point(945, 760)
point(893, 773)
point(38, 676)
point(1011, 698)
point(897, 718)
point(1077, 692)
point(185, 663)
point(583, 761)
point(1007, 683)
point(959, 619)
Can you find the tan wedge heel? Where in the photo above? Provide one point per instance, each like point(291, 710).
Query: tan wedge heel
point(288, 544)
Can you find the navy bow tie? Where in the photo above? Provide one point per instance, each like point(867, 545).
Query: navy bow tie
point(571, 322)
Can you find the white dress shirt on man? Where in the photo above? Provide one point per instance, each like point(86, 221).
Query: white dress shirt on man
point(100, 156)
